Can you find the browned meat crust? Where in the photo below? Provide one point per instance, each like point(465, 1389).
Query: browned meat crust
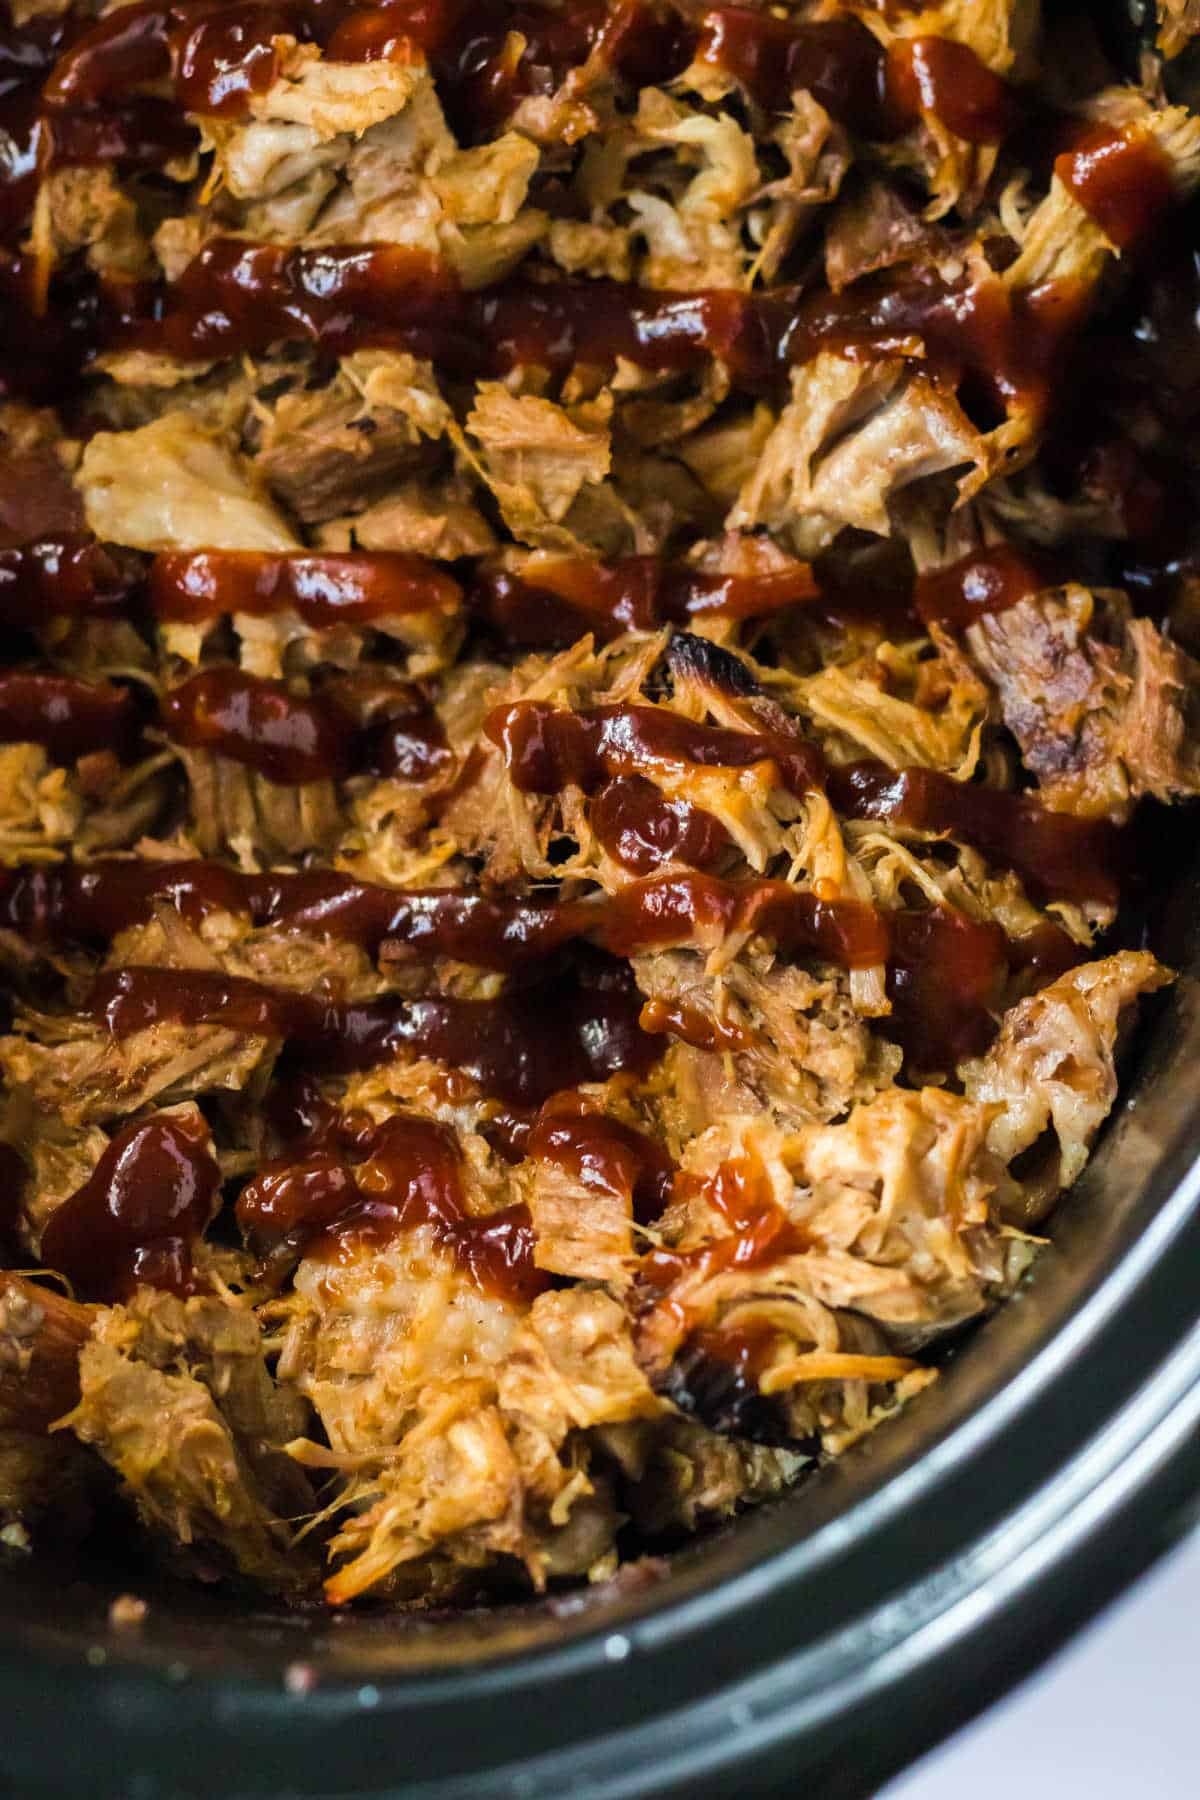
point(1101, 704)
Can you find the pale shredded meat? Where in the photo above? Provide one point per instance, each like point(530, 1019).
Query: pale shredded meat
point(588, 616)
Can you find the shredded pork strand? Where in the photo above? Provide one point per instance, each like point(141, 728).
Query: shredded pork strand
point(589, 625)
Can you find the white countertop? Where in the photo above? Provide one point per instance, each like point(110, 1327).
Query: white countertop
point(1116, 1714)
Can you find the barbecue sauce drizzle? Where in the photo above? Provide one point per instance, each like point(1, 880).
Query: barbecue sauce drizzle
point(292, 739)
point(322, 589)
point(68, 80)
point(940, 1020)
point(551, 602)
point(644, 831)
point(577, 1025)
point(69, 718)
point(1120, 177)
point(604, 1154)
point(759, 1232)
point(546, 748)
point(239, 298)
point(70, 83)
point(554, 600)
point(91, 903)
point(217, 59)
point(155, 1188)
point(344, 1185)
point(139, 1213)
point(371, 1185)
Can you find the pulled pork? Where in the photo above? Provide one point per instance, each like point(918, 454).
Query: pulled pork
point(584, 641)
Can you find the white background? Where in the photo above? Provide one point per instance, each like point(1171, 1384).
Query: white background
point(1116, 1716)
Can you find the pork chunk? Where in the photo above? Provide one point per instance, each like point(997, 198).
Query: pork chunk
point(1103, 707)
point(1051, 1073)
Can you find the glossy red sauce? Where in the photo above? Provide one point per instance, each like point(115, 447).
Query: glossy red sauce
point(487, 58)
point(837, 61)
point(282, 735)
point(745, 1350)
point(296, 1197)
point(507, 1129)
point(69, 576)
point(125, 49)
point(407, 1174)
point(985, 581)
point(693, 908)
point(546, 748)
point(138, 134)
point(405, 740)
point(945, 973)
point(1040, 956)
point(27, 54)
point(555, 600)
point(69, 89)
point(947, 80)
point(644, 831)
point(135, 131)
point(758, 1233)
point(702, 1030)
point(43, 347)
point(1006, 345)
point(373, 724)
point(868, 586)
point(91, 902)
point(950, 977)
point(237, 297)
point(574, 1027)
point(560, 323)
point(139, 1213)
point(217, 57)
point(67, 717)
point(1121, 178)
point(843, 65)
point(945, 981)
point(298, 1118)
point(356, 588)
point(1055, 854)
point(393, 31)
point(603, 1154)
point(226, 59)
point(483, 75)
point(491, 934)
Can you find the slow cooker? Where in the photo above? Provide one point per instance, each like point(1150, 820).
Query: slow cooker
point(819, 1644)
